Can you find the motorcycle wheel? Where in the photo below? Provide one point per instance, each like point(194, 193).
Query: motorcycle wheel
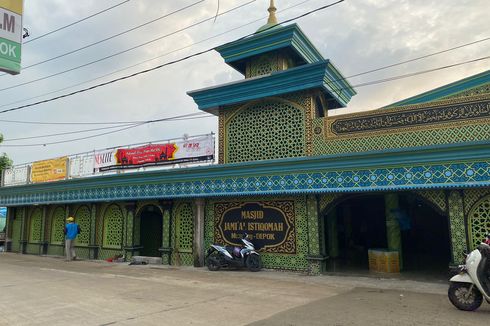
point(460, 296)
point(213, 263)
point(253, 263)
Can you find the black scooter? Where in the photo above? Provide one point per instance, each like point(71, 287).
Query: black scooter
point(229, 256)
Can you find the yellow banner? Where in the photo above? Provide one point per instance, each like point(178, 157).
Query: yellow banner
point(49, 170)
point(12, 5)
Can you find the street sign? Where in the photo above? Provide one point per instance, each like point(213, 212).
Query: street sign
point(10, 35)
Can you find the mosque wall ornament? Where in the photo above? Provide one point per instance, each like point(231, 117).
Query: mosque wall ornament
point(444, 114)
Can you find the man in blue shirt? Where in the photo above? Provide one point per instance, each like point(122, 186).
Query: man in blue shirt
point(71, 231)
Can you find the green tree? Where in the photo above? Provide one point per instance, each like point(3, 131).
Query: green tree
point(5, 162)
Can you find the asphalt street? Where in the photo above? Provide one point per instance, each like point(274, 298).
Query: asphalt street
point(48, 291)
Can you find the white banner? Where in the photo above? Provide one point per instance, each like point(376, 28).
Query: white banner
point(196, 147)
point(17, 175)
point(105, 158)
point(81, 166)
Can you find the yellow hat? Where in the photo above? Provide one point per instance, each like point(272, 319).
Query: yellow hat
point(70, 219)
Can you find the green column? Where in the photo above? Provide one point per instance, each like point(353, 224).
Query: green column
point(315, 260)
point(393, 233)
point(457, 226)
point(93, 236)
point(198, 239)
point(129, 230)
point(333, 235)
point(166, 235)
point(42, 243)
point(23, 233)
point(8, 228)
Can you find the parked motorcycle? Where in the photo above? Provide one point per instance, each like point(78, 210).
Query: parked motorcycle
point(472, 284)
point(230, 256)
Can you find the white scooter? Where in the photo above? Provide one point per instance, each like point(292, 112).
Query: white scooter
point(472, 284)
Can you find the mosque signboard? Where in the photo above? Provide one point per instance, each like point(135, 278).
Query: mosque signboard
point(270, 225)
point(10, 35)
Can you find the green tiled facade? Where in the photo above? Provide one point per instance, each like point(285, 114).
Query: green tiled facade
point(281, 146)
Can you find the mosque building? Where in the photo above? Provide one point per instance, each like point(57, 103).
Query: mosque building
point(409, 182)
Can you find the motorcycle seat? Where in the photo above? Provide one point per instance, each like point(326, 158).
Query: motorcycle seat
point(234, 251)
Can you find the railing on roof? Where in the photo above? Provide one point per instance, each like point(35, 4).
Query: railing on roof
point(160, 154)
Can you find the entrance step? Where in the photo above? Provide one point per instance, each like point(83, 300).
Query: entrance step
point(144, 260)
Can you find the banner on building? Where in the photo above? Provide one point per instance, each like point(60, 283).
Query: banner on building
point(10, 35)
point(49, 170)
point(190, 150)
point(81, 166)
point(17, 175)
point(269, 224)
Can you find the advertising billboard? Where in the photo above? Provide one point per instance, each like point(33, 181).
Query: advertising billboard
point(49, 170)
point(10, 35)
point(201, 148)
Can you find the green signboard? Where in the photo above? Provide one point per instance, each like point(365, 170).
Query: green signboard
point(10, 35)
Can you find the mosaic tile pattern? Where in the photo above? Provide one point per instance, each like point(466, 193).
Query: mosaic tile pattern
point(265, 130)
point(113, 227)
point(17, 229)
point(479, 222)
point(460, 174)
point(184, 235)
point(425, 137)
point(458, 232)
point(57, 225)
point(436, 197)
point(471, 196)
point(82, 218)
point(314, 240)
point(35, 222)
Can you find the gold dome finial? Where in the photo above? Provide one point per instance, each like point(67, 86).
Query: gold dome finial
point(272, 14)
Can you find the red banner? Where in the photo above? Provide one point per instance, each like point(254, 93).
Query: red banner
point(146, 154)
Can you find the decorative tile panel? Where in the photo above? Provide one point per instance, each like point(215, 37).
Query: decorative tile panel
point(479, 222)
point(456, 220)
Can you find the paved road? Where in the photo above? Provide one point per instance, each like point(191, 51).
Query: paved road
point(48, 291)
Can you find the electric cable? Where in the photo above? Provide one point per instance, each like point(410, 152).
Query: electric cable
point(164, 64)
point(358, 85)
point(124, 51)
point(151, 59)
point(68, 132)
point(110, 37)
point(190, 116)
point(75, 22)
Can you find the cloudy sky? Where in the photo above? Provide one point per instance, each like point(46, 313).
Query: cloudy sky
point(356, 35)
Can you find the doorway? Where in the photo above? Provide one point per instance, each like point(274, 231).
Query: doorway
point(358, 223)
point(151, 229)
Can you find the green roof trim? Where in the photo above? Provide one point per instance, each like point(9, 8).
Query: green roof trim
point(446, 90)
point(319, 75)
point(278, 37)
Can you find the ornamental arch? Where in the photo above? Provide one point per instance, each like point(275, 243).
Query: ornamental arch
point(478, 221)
point(183, 229)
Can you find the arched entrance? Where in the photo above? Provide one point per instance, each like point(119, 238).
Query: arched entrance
point(151, 230)
point(358, 223)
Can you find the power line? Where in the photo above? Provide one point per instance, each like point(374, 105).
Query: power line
point(190, 116)
point(148, 60)
point(68, 133)
point(124, 51)
point(164, 64)
point(76, 22)
point(111, 37)
point(159, 120)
